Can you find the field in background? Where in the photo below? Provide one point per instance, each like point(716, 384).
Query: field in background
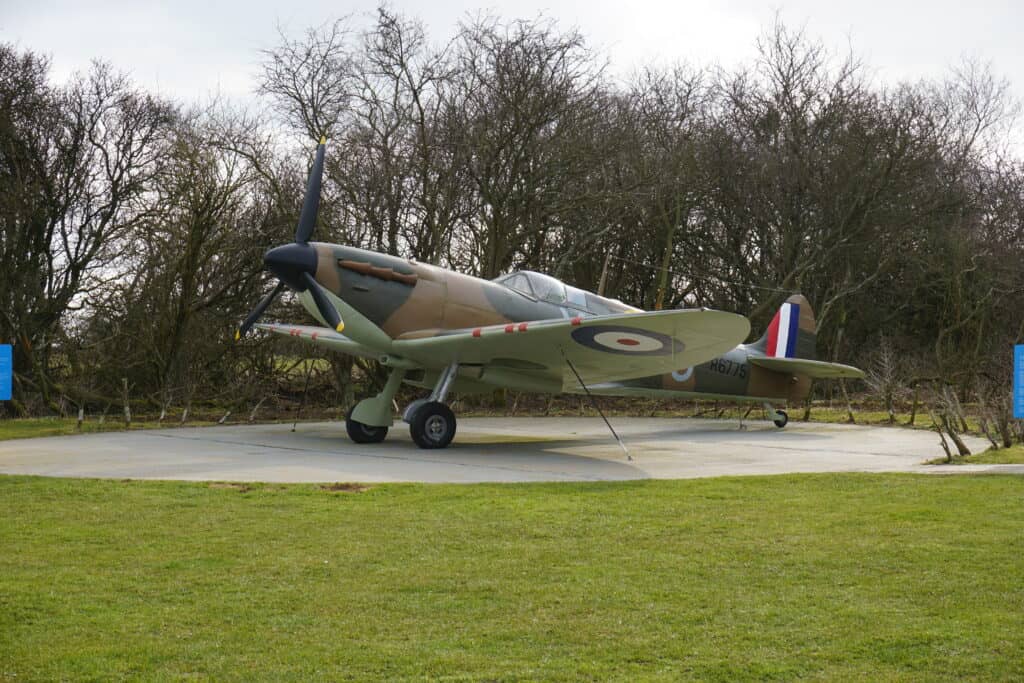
point(879, 577)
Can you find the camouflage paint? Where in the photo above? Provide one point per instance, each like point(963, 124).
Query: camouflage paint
point(390, 300)
point(410, 300)
point(732, 376)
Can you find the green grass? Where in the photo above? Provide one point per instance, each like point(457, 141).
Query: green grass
point(1013, 455)
point(28, 428)
point(862, 416)
point(875, 577)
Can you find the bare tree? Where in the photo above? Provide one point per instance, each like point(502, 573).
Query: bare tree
point(884, 375)
point(524, 91)
point(310, 80)
point(77, 164)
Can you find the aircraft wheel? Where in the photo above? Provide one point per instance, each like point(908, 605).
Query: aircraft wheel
point(363, 433)
point(781, 418)
point(432, 425)
point(410, 410)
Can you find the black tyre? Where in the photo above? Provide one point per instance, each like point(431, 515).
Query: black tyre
point(781, 418)
point(409, 414)
point(433, 425)
point(363, 433)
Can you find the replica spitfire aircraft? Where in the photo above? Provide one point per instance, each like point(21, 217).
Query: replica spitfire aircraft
point(445, 331)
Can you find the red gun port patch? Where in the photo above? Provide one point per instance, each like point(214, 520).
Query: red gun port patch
point(626, 340)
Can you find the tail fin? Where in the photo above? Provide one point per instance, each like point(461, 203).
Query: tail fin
point(792, 332)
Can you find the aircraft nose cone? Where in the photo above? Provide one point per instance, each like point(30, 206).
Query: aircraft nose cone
point(289, 261)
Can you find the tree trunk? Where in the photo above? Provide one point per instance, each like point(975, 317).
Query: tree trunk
point(913, 406)
point(942, 437)
point(961, 447)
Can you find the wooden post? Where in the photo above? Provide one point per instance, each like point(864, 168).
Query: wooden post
point(846, 398)
point(127, 407)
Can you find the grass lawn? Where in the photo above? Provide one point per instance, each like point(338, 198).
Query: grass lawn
point(878, 577)
point(1012, 455)
point(26, 428)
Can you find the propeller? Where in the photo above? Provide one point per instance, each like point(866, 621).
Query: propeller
point(295, 264)
point(258, 312)
point(327, 311)
point(311, 202)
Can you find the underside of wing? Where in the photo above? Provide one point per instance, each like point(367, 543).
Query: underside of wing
point(601, 349)
point(815, 369)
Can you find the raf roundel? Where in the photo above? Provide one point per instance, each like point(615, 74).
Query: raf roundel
point(626, 340)
point(682, 375)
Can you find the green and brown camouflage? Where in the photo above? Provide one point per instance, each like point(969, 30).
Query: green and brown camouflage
point(527, 331)
point(411, 300)
point(749, 372)
point(408, 300)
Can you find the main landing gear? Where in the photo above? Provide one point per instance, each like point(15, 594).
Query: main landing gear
point(431, 422)
point(433, 425)
point(779, 417)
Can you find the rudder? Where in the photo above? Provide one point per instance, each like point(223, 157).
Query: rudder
point(792, 333)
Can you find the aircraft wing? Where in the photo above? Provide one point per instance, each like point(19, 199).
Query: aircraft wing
point(815, 369)
point(602, 349)
point(321, 336)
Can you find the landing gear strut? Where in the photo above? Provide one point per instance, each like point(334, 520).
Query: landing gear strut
point(431, 422)
point(368, 420)
point(778, 417)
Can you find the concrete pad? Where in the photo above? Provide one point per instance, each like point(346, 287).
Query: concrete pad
point(484, 450)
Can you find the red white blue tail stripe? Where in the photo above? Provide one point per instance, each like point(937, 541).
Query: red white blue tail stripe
point(783, 331)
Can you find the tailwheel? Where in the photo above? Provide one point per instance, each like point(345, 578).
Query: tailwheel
point(781, 418)
point(432, 425)
point(363, 433)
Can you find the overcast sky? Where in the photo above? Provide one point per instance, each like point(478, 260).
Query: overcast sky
point(189, 48)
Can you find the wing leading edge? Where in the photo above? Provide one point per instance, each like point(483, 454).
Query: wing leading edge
point(321, 336)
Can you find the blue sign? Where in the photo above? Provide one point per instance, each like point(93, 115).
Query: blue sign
point(1018, 381)
point(6, 372)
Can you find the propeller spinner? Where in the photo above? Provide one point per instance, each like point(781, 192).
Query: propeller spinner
point(295, 264)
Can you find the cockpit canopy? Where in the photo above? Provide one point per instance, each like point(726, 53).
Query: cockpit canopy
point(535, 285)
point(541, 287)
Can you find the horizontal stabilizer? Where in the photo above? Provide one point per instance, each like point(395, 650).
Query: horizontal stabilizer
point(815, 369)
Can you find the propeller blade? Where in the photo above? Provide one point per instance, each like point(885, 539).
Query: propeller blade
point(327, 311)
point(260, 309)
point(311, 203)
